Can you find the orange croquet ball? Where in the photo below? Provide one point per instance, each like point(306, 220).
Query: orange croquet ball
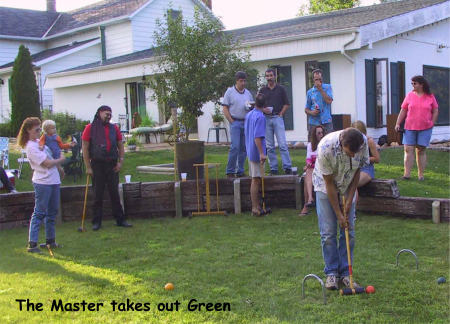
point(169, 286)
point(370, 289)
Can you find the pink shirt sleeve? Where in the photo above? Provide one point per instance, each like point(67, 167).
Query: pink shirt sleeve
point(405, 102)
point(434, 103)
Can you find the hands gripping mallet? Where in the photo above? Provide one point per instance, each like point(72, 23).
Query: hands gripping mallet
point(351, 290)
point(82, 229)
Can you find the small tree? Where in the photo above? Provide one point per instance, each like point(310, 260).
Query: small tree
point(24, 92)
point(321, 6)
point(196, 63)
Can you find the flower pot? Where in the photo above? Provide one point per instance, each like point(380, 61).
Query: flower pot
point(131, 148)
point(190, 153)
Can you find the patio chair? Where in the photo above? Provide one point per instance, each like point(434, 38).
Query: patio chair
point(4, 152)
point(73, 166)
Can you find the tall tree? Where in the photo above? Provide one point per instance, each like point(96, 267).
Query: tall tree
point(24, 92)
point(321, 6)
point(196, 63)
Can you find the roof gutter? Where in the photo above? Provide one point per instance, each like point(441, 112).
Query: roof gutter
point(348, 57)
point(21, 38)
point(303, 36)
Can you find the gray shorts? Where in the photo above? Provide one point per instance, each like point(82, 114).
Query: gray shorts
point(254, 169)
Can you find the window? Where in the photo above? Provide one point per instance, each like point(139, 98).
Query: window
point(377, 99)
point(438, 78)
point(397, 85)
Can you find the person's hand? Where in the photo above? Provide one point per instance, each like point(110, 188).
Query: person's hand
point(342, 221)
point(280, 114)
point(41, 147)
point(118, 166)
point(262, 158)
point(305, 168)
point(89, 171)
point(397, 127)
point(318, 85)
point(315, 112)
point(72, 144)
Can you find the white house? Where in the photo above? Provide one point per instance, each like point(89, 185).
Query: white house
point(368, 54)
point(96, 33)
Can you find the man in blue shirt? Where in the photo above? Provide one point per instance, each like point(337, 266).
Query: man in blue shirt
point(318, 103)
point(255, 143)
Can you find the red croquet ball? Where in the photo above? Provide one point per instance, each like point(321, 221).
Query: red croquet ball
point(370, 289)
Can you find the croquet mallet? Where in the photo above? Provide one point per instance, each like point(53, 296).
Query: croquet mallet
point(82, 229)
point(263, 197)
point(351, 290)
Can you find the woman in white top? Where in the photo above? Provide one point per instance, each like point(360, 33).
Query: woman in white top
point(317, 133)
point(46, 183)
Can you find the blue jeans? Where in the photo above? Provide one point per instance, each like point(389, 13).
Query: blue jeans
point(275, 126)
point(46, 206)
point(335, 257)
point(237, 154)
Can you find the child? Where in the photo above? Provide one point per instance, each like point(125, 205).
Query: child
point(53, 142)
point(255, 132)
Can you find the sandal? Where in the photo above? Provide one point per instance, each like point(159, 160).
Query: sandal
point(405, 178)
point(304, 212)
point(310, 204)
point(257, 213)
point(421, 178)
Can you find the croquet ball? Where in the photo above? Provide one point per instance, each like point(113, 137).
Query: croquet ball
point(169, 286)
point(370, 289)
point(441, 280)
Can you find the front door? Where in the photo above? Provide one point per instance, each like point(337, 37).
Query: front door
point(135, 97)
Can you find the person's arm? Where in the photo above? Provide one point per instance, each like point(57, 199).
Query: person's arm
point(283, 110)
point(86, 157)
point(286, 103)
point(48, 163)
point(226, 113)
point(332, 194)
point(435, 115)
point(63, 146)
point(401, 117)
point(375, 158)
point(328, 99)
point(42, 141)
point(121, 156)
point(262, 156)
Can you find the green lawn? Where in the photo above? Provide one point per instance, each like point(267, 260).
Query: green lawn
point(436, 185)
point(254, 264)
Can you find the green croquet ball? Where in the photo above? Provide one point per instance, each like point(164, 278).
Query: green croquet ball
point(441, 280)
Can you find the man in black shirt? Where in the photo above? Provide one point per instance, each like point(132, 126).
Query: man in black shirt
point(277, 103)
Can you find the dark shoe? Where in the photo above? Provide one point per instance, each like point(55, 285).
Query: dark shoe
point(346, 282)
point(273, 172)
point(33, 248)
point(288, 171)
point(240, 175)
point(124, 224)
point(231, 175)
point(53, 245)
point(96, 227)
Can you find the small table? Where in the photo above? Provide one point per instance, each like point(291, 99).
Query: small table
point(217, 129)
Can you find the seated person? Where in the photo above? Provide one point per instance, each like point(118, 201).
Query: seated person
point(7, 185)
point(367, 172)
point(317, 134)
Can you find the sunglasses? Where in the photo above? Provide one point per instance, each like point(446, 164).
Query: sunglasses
point(38, 130)
point(414, 83)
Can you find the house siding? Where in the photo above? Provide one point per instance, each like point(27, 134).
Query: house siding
point(144, 23)
point(78, 37)
point(5, 104)
point(119, 40)
point(416, 48)
point(10, 48)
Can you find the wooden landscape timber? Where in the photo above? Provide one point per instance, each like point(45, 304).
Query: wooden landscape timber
point(170, 199)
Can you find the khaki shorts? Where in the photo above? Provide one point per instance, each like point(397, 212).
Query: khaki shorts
point(254, 169)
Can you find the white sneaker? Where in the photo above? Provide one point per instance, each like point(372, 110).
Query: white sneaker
point(346, 282)
point(331, 283)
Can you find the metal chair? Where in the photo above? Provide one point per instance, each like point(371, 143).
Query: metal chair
point(74, 165)
point(22, 160)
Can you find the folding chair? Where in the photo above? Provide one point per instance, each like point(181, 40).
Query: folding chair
point(74, 165)
point(22, 160)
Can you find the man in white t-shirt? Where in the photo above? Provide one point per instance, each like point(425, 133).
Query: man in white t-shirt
point(235, 107)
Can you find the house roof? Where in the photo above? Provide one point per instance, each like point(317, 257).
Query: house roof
point(37, 22)
point(46, 24)
point(52, 52)
point(331, 21)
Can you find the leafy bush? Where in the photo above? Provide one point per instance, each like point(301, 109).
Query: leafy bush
point(66, 123)
point(5, 129)
point(217, 117)
point(132, 141)
point(147, 122)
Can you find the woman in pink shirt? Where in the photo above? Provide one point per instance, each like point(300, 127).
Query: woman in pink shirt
point(421, 112)
point(46, 183)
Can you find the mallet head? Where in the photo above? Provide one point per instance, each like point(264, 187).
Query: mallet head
point(349, 291)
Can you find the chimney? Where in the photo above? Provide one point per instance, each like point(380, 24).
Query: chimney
point(208, 3)
point(51, 5)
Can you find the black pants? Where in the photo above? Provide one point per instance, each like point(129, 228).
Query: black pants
point(4, 179)
point(105, 175)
